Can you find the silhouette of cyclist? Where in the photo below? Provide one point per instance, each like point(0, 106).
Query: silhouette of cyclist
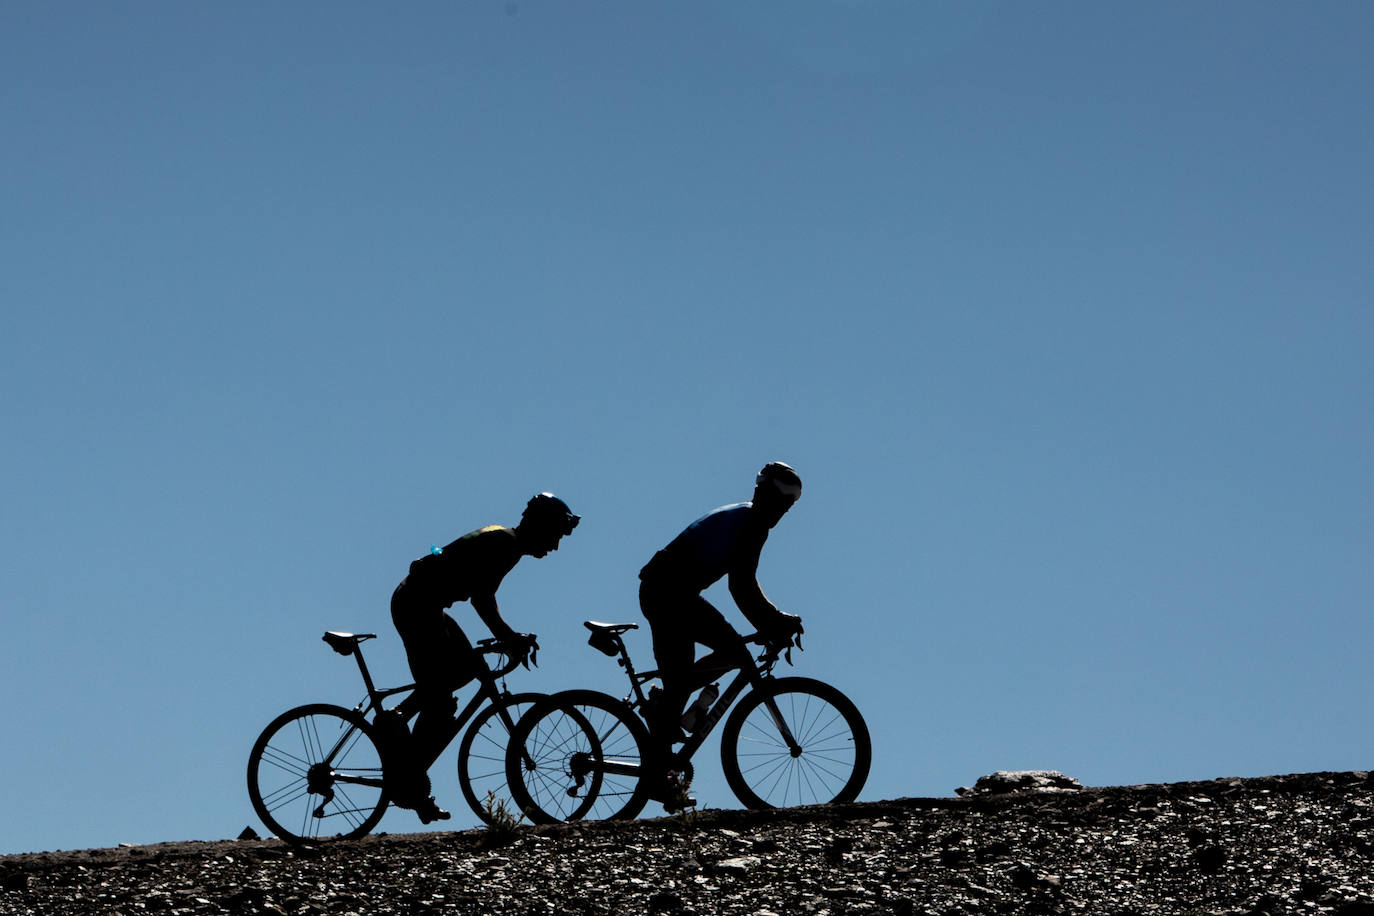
point(441, 657)
point(724, 543)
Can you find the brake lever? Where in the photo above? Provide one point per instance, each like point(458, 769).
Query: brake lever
point(796, 640)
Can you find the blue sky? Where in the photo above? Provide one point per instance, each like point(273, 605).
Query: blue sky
point(1063, 312)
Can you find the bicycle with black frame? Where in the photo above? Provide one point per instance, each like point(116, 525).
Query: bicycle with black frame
point(319, 771)
point(787, 741)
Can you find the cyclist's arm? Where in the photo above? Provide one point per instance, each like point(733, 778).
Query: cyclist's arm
point(487, 608)
point(495, 554)
point(774, 624)
point(744, 585)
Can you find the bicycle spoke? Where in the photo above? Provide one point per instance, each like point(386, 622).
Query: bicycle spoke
point(286, 794)
point(285, 759)
point(559, 770)
point(547, 751)
point(787, 778)
point(309, 739)
point(316, 758)
point(482, 756)
point(797, 742)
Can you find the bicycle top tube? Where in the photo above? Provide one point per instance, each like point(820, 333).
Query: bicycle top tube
point(607, 638)
point(351, 644)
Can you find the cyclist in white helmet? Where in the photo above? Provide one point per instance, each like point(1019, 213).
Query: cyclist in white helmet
point(724, 543)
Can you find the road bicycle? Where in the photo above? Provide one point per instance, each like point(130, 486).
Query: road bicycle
point(788, 741)
point(316, 772)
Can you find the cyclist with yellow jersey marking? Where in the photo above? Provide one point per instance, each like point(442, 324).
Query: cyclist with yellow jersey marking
point(441, 657)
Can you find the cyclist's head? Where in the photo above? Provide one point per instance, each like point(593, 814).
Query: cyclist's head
point(776, 488)
point(545, 520)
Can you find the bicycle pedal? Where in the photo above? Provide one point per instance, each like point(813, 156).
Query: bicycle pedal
point(680, 804)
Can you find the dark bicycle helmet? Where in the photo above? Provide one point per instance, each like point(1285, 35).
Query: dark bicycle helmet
point(548, 511)
point(781, 478)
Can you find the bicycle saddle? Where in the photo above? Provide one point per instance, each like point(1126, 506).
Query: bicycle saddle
point(614, 628)
point(346, 643)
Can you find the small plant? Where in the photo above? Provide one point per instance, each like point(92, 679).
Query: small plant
point(680, 800)
point(502, 822)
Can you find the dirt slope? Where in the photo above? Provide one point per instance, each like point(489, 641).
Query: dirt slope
point(1286, 844)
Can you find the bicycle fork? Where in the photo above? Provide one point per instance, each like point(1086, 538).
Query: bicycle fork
point(771, 704)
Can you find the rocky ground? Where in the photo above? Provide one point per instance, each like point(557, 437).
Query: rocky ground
point(1275, 845)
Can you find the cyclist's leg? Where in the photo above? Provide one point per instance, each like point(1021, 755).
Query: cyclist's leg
point(728, 649)
point(432, 641)
point(678, 622)
point(668, 613)
point(444, 666)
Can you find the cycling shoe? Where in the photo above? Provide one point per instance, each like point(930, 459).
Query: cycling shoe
point(428, 811)
point(671, 791)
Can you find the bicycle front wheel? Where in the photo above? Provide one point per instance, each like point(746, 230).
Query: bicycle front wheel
point(316, 773)
point(795, 741)
point(578, 754)
point(482, 756)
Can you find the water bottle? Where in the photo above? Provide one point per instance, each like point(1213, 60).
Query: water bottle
point(695, 716)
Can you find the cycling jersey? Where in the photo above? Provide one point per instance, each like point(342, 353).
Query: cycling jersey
point(725, 541)
point(470, 568)
point(474, 564)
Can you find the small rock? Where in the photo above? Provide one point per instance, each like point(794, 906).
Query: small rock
point(741, 864)
point(665, 902)
point(1004, 781)
point(1211, 858)
point(1023, 877)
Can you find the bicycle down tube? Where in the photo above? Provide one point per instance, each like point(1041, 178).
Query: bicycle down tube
point(743, 680)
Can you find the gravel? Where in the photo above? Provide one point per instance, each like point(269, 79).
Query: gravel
point(1271, 845)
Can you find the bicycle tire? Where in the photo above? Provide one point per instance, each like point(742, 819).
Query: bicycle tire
point(280, 774)
point(542, 748)
point(482, 756)
point(833, 758)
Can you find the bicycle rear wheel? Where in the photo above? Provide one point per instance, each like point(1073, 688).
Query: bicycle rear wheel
point(315, 773)
point(827, 760)
point(575, 755)
point(482, 755)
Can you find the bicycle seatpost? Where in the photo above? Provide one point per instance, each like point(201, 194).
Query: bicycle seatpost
point(367, 678)
point(636, 682)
